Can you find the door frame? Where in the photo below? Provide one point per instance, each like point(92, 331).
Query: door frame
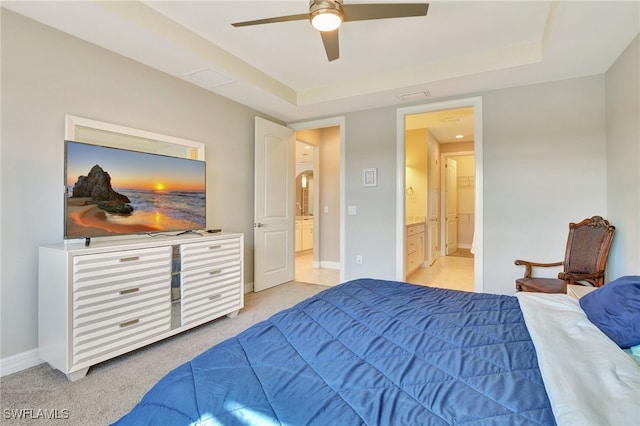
point(476, 103)
point(317, 124)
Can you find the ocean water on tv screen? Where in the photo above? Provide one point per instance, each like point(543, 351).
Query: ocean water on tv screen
point(179, 205)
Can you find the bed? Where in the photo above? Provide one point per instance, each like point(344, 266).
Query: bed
point(374, 352)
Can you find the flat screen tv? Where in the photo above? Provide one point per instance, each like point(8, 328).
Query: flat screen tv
point(113, 191)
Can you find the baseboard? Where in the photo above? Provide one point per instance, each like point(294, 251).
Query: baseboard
point(248, 287)
point(464, 246)
point(13, 364)
point(324, 264)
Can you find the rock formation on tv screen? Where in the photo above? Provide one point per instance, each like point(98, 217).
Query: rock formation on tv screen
point(97, 186)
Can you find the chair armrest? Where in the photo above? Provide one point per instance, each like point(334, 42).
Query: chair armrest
point(528, 265)
point(574, 277)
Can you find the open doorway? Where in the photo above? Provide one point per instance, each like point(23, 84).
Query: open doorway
point(458, 203)
point(439, 195)
point(274, 201)
point(318, 205)
point(306, 201)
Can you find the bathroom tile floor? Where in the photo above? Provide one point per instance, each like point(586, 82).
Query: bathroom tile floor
point(306, 274)
point(450, 272)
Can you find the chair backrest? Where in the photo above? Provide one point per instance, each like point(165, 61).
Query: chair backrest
point(588, 247)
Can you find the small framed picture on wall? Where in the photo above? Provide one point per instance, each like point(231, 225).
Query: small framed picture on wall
point(370, 177)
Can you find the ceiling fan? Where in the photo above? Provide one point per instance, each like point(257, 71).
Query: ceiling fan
point(327, 15)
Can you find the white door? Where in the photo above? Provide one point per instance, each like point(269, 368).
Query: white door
point(274, 205)
point(433, 205)
point(451, 206)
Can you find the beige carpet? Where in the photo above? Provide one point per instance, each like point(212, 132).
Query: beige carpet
point(112, 388)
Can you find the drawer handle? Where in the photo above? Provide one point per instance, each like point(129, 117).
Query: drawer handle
point(214, 247)
point(215, 272)
point(215, 296)
point(128, 323)
point(129, 290)
point(129, 259)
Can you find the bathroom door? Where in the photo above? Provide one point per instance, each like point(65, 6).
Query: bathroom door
point(433, 203)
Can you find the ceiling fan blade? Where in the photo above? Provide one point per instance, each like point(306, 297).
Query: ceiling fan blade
point(287, 18)
point(361, 12)
point(331, 44)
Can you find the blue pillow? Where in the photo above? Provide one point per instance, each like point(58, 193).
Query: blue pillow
point(615, 309)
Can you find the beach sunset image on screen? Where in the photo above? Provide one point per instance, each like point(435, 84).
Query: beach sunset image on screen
point(112, 191)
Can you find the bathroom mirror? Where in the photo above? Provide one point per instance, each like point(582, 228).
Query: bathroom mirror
point(304, 193)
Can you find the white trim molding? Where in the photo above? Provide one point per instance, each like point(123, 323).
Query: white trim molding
point(13, 364)
point(476, 103)
point(100, 133)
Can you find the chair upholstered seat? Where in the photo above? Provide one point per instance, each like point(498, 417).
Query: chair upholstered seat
point(541, 285)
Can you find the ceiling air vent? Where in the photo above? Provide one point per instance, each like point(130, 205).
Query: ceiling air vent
point(209, 77)
point(415, 96)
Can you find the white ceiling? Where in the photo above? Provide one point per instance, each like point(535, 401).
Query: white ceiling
point(459, 48)
point(453, 125)
point(304, 152)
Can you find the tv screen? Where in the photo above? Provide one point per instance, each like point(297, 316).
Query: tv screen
point(113, 191)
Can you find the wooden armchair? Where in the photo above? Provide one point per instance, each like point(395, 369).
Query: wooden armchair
point(584, 260)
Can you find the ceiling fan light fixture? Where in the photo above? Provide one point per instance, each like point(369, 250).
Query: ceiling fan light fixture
point(326, 19)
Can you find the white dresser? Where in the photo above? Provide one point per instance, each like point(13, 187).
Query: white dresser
point(109, 298)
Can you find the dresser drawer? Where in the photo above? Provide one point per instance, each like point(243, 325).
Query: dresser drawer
point(119, 334)
point(109, 285)
point(104, 269)
point(209, 291)
point(206, 254)
point(108, 303)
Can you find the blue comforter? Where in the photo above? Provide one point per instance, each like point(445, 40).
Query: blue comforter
point(367, 352)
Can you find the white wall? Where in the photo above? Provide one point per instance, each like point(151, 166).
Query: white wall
point(370, 233)
point(416, 174)
point(544, 166)
point(330, 197)
point(47, 74)
point(623, 161)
